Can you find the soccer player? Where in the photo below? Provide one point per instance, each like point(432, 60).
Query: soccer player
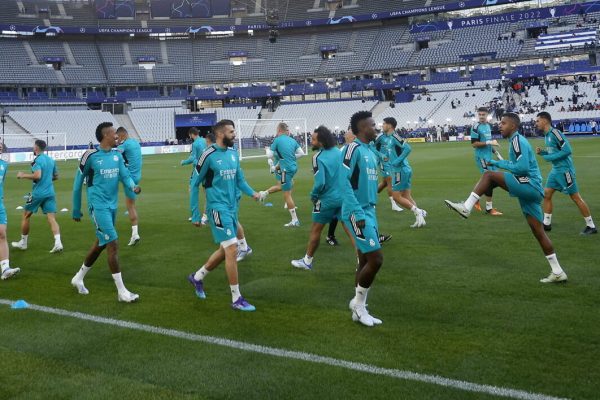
point(101, 170)
point(43, 173)
point(132, 155)
point(562, 176)
point(359, 186)
point(219, 171)
point(285, 151)
point(383, 145)
point(482, 142)
point(5, 270)
point(325, 194)
point(523, 181)
point(198, 146)
point(402, 177)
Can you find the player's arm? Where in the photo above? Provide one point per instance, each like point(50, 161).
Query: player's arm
point(406, 150)
point(299, 152)
point(36, 174)
point(563, 146)
point(351, 206)
point(55, 173)
point(125, 176)
point(319, 183)
point(82, 171)
point(193, 157)
point(243, 185)
point(198, 176)
point(380, 156)
point(521, 165)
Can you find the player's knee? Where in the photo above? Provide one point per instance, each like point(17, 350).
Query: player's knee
point(377, 259)
point(2, 236)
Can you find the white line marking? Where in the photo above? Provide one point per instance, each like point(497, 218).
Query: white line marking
point(297, 355)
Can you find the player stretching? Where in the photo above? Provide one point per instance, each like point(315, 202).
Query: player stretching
point(219, 171)
point(198, 146)
point(44, 172)
point(383, 145)
point(359, 186)
point(481, 140)
point(101, 169)
point(402, 176)
point(562, 176)
point(325, 194)
point(6, 271)
point(132, 155)
point(523, 181)
point(285, 151)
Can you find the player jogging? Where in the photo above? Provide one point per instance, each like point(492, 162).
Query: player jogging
point(482, 142)
point(198, 146)
point(383, 145)
point(43, 174)
point(523, 181)
point(562, 176)
point(359, 186)
point(219, 171)
point(6, 272)
point(132, 155)
point(101, 170)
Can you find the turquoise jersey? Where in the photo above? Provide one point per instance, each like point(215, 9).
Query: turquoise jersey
point(558, 151)
point(100, 170)
point(218, 170)
point(400, 149)
point(132, 154)
point(3, 169)
point(327, 168)
point(198, 147)
point(284, 149)
point(43, 187)
point(482, 133)
point(383, 147)
point(358, 179)
point(522, 162)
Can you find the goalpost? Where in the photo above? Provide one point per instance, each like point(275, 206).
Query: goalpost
point(56, 144)
point(256, 134)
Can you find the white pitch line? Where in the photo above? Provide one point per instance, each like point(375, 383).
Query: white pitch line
point(297, 355)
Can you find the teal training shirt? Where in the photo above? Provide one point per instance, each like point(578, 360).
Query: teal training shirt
point(198, 147)
point(3, 170)
point(482, 133)
point(383, 145)
point(558, 151)
point(359, 179)
point(326, 168)
point(132, 154)
point(219, 171)
point(522, 162)
point(44, 187)
point(101, 170)
point(400, 149)
point(284, 148)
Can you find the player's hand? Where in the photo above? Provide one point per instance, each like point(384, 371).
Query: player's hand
point(360, 224)
point(256, 196)
point(538, 150)
point(76, 219)
point(197, 224)
point(272, 169)
point(314, 200)
point(491, 163)
point(494, 143)
point(386, 159)
point(137, 190)
point(20, 174)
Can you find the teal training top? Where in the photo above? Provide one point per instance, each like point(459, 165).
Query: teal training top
point(482, 133)
point(558, 151)
point(198, 147)
point(3, 169)
point(284, 149)
point(522, 162)
point(399, 153)
point(327, 167)
point(132, 154)
point(358, 179)
point(44, 187)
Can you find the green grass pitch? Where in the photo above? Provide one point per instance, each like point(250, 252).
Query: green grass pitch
point(459, 299)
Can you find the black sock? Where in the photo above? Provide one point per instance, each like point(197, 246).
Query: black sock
point(332, 226)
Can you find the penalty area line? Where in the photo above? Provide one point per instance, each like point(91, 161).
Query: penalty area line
point(298, 355)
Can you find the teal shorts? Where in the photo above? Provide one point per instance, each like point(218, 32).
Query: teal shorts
point(48, 204)
point(564, 182)
point(104, 221)
point(3, 217)
point(402, 180)
point(529, 197)
point(366, 239)
point(223, 225)
point(323, 214)
point(386, 169)
point(286, 178)
point(130, 194)
point(482, 165)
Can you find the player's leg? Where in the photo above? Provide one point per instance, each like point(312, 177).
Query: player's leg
point(55, 228)
point(25, 224)
point(402, 183)
point(313, 244)
point(548, 208)
point(590, 227)
point(489, 180)
point(133, 218)
point(382, 184)
point(237, 300)
point(243, 249)
point(90, 258)
point(5, 269)
point(124, 295)
point(331, 239)
point(287, 184)
point(537, 228)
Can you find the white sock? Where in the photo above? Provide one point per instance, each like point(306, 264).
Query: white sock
point(242, 245)
point(201, 273)
point(134, 230)
point(82, 272)
point(307, 259)
point(4, 265)
point(119, 282)
point(553, 260)
point(392, 200)
point(488, 205)
point(235, 292)
point(361, 295)
point(57, 239)
point(293, 214)
point(415, 209)
point(548, 219)
point(470, 202)
point(24, 238)
point(590, 222)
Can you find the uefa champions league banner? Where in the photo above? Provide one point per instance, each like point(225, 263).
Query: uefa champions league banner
point(507, 18)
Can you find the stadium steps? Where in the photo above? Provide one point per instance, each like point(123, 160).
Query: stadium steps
point(439, 105)
point(262, 130)
point(30, 53)
point(60, 76)
point(163, 52)
point(528, 47)
point(69, 53)
point(412, 61)
point(150, 76)
point(310, 46)
point(13, 127)
point(379, 108)
point(126, 53)
point(125, 121)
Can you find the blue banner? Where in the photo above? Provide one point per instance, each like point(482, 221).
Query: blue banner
point(105, 9)
point(190, 120)
point(125, 8)
point(240, 53)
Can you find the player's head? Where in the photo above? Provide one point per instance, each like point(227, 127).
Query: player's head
point(509, 124)
point(193, 133)
point(349, 136)
point(482, 114)
point(2, 148)
point(210, 139)
point(543, 122)
point(363, 125)
point(282, 128)
point(39, 146)
point(322, 138)
point(224, 132)
point(389, 124)
point(123, 134)
point(106, 134)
